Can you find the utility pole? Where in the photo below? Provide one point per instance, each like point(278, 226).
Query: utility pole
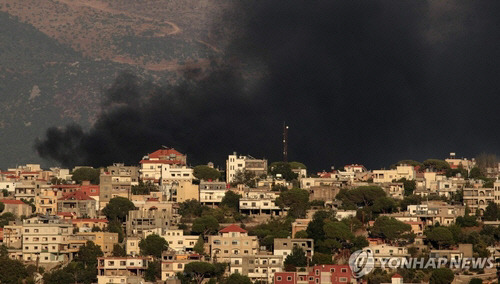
point(285, 142)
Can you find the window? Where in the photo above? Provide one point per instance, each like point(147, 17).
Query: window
point(343, 279)
point(111, 263)
point(179, 265)
point(123, 263)
point(343, 270)
point(289, 278)
point(317, 271)
point(332, 270)
point(278, 278)
point(236, 261)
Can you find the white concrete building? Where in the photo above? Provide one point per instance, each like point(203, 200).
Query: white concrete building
point(235, 163)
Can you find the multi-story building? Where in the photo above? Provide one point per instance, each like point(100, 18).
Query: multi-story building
point(117, 180)
point(46, 202)
point(174, 262)
point(132, 246)
point(128, 270)
point(260, 202)
point(106, 240)
point(430, 213)
point(384, 251)
point(139, 221)
point(82, 205)
point(402, 171)
point(318, 274)
point(13, 235)
point(174, 174)
point(211, 193)
point(477, 199)
point(260, 266)
point(183, 191)
point(232, 241)
point(45, 238)
point(236, 163)
point(27, 190)
point(16, 207)
point(176, 239)
point(152, 164)
point(284, 247)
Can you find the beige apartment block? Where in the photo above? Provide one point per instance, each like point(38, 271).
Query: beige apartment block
point(121, 269)
point(232, 241)
point(45, 238)
point(46, 202)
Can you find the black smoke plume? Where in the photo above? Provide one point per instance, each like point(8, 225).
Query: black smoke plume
point(358, 81)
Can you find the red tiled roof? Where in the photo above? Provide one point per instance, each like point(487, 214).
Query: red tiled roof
point(233, 229)
point(397, 276)
point(170, 162)
point(11, 201)
point(77, 195)
point(164, 152)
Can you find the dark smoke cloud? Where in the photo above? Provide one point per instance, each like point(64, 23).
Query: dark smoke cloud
point(357, 81)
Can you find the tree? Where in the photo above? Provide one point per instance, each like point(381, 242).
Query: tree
point(2, 207)
point(315, 227)
point(115, 226)
point(237, 278)
point(231, 200)
point(475, 173)
point(297, 258)
point(322, 258)
point(390, 228)
point(284, 169)
point(199, 247)
point(362, 196)
point(467, 220)
point(436, 164)
point(440, 236)
point(118, 251)
point(88, 254)
point(117, 208)
point(244, 177)
point(442, 276)
point(338, 231)
point(5, 192)
point(197, 271)
point(492, 212)
point(153, 245)
point(275, 228)
point(191, 208)
point(5, 218)
point(204, 172)
point(205, 225)
point(297, 165)
point(301, 235)
point(408, 185)
point(476, 281)
point(297, 200)
point(86, 173)
point(384, 205)
point(11, 271)
point(153, 272)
